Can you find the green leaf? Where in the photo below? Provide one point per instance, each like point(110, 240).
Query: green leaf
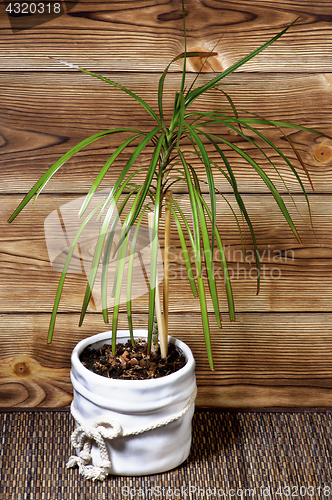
point(229, 99)
point(240, 204)
point(130, 273)
point(185, 251)
point(192, 198)
point(104, 170)
point(205, 320)
point(64, 274)
point(183, 80)
point(277, 123)
point(37, 188)
point(208, 255)
point(129, 164)
point(119, 274)
point(148, 179)
point(225, 121)
point(96, 259)
point(114, 84)
point(281, 154)
point(267, 181)
point(184, 56)
point(224, 266)
point(212, 83)
point(209, 175)
point(106, 257)
point(181, 120)
point(99, 248)
point(227, 177)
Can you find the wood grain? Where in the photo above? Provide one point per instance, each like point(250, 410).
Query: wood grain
point(277, 352)
point(145, 36)
point(42, 116)
point(261, 360)
point(288, 268)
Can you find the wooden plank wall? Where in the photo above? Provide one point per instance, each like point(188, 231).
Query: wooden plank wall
point(279, 351)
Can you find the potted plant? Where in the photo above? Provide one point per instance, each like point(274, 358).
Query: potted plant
point(117, 432)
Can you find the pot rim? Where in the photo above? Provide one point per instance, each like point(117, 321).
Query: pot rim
point(99, 337)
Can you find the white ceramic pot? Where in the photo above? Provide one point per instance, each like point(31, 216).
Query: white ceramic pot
point(117, 413)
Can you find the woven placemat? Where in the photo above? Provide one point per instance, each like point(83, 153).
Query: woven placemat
point(234, 455)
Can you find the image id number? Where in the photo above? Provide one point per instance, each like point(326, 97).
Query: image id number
point(33, 8)
point(303, 491)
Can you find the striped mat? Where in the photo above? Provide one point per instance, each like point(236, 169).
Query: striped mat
point(234, 455)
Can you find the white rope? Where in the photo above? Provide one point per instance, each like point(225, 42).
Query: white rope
point(103, 428)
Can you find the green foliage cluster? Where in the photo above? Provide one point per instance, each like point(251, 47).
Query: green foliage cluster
point(168, 165)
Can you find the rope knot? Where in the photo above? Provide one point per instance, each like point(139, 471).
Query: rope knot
point(99, 430)
point(83, 436)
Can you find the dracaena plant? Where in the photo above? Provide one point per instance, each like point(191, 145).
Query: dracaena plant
point(170, 163)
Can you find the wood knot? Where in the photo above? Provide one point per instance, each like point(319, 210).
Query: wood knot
point(323, 153)
point(207, 62)
point(21, 369)
point(174, 15)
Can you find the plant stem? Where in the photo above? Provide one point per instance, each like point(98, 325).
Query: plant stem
point(155, 343)
point(167, 241)
point(157, 301)
point(163, 345)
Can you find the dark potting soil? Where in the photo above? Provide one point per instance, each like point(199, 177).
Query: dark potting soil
point(131, 362)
